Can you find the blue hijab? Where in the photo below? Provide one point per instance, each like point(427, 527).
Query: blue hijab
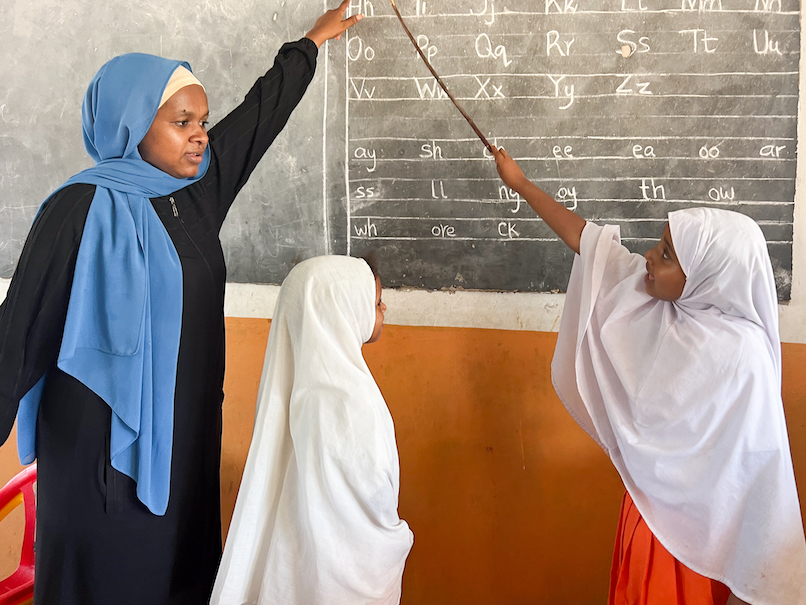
point(121, 334)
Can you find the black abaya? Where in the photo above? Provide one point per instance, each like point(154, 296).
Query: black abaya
point(97, 544)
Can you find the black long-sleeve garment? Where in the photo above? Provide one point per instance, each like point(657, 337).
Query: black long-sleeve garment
point(97, 544)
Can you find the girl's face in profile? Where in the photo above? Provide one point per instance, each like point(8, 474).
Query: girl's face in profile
point(664, 278)
point(380, 309)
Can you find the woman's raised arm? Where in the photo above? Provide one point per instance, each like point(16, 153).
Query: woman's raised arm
point(332, 25)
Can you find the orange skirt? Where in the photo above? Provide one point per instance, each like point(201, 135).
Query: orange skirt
point(645, 573)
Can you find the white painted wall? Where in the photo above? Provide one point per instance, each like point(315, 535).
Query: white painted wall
point(494, 310)
point(497, 310)
point(526, 311)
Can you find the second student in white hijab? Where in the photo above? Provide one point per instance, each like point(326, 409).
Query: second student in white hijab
point(316, 520)
point(672, 363)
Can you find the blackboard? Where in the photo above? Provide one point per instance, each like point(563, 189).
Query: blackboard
point(622, 109)
point(50, 50)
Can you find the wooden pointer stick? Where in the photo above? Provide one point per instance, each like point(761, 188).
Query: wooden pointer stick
point(440, 82)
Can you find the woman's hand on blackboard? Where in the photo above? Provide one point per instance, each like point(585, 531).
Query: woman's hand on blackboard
point(508, 170)
point(332, 25)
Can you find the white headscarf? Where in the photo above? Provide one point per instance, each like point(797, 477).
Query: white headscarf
point(180, 78)
point(685, 398)
point(316, 518)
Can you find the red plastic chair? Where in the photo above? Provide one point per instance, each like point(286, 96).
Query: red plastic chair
point(18, 588)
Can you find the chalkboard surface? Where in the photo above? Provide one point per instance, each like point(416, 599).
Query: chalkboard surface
point(622, 109)
point(50, 50)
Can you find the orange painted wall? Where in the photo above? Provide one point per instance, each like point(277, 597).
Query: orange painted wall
point(509, 500)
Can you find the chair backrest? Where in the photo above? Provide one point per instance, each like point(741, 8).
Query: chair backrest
point(18, 587)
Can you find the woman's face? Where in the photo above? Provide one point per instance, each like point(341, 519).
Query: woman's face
point(380, 309)
point(176, 141)
point(664, 278)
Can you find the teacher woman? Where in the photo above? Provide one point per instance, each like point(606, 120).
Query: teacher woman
point(112, 332)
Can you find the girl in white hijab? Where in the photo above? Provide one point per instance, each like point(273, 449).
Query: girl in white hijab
point(672, 363)
point(316, 517)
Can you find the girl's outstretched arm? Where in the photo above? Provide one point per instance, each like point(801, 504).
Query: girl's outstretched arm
point(566, 224)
